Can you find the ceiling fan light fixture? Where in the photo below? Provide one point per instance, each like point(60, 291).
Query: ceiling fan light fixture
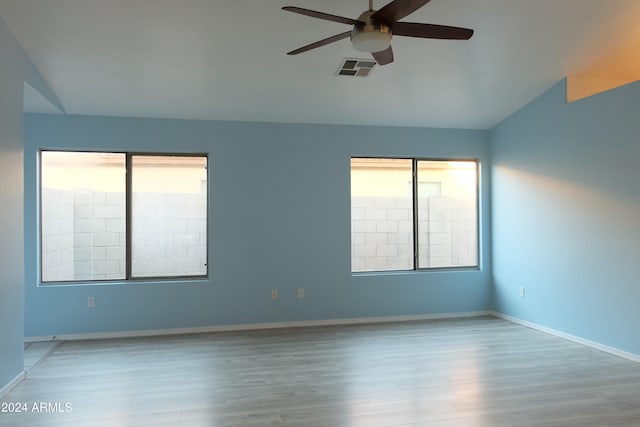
point(370, 36)
point(370, 41)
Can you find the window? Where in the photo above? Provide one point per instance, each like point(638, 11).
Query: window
point(409, 214)
point(119, 216)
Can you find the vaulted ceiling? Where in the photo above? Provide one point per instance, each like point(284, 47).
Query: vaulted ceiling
point(226, 59)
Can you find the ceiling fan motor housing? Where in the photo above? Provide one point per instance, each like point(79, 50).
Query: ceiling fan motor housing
point(372, 36)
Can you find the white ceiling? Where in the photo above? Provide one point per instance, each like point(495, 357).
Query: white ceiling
point(225, 59)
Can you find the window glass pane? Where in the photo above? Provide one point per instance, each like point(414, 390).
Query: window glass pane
point(169, 216)
point(381, 214)
point(447, 214)
point(82, 216)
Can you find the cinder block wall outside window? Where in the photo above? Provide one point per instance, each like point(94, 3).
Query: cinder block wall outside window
point(382, 233)
point(86, 239)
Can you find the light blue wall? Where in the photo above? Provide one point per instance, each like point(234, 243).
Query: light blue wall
point(566, 215)
point(11, 207)
point(279, 218)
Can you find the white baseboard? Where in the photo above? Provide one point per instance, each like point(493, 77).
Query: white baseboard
point(12, 384)
point(254, 326)
point(607, 349)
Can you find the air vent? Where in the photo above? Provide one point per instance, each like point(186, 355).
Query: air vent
point(352, 67)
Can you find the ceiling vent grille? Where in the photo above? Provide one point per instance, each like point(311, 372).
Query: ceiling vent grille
point(352, 67)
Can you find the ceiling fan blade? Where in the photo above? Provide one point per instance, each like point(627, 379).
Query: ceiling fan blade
point(321, 43)
point(322, 15)
point(384, 57)
point(396, 10)
point(431, 31)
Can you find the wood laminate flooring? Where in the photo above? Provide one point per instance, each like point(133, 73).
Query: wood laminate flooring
point(443, 373)
point(36, 352)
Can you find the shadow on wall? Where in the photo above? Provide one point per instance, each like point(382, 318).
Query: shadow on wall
point(569, 236)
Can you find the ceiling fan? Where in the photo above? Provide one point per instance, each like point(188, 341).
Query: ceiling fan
point(373, 29)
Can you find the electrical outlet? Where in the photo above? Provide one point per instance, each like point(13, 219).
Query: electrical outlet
point(274, 294)
point(521, 292)
point(91, 302)
point(300, 293)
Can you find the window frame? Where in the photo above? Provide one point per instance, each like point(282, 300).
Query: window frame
point(128, 190)
point(415, 218)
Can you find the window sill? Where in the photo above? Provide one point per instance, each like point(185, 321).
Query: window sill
point(184, 281)
point(472, 269)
